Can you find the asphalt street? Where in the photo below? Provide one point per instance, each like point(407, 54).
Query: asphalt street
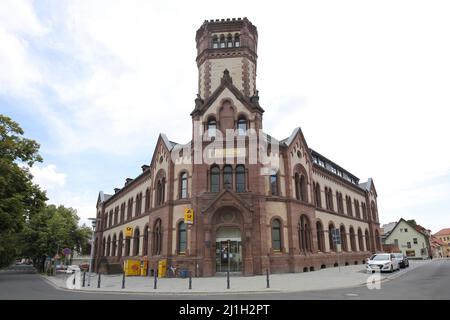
point(428, 282)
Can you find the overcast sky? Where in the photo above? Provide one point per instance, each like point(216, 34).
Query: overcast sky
point(95, 82)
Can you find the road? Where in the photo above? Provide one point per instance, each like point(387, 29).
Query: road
point(430, 281)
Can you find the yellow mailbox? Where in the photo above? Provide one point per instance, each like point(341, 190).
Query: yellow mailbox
point(162, 268)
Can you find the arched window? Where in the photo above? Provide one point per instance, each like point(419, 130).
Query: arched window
point(276, 235)
point(320, 237)
point(303, 192)
point(330, 237)
point(360, 240)
point(229, 41)
point(110, 218)
point(163, 190)
point(136, 244)
point(122, 212)
point(367, 238)
point(114, 245)
point(104, 247)
point(130, 209)
point(377, 240)
point(138, 204)
point(183, 185)
point(157, 238)
point(145, 241)
point(227, 177)
point(215, 42)
point(240, 178)
point(274, 183)
point(127, 246)
point(120, 245)
point(364, 210)
point(147, 199)
point(242, 126)
point(357, 212)
point(352, 239)
point(116, 215)
point(222, 41)
point(374, 211)
point(182, 238)
point(349, 206)
point(297, 186)
point(211, 127)
point(215, 179)
point(340, 203)
point(344, 245)
point(305, 235)
point(160, 191)
point(237, 42)
point(108, 246)
point(317, 196)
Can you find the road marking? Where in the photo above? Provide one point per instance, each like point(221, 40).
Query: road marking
point(352, 294)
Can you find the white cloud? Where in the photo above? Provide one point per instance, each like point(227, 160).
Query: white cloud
point(47, 177)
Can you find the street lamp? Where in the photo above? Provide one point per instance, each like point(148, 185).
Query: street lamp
point(94, 221)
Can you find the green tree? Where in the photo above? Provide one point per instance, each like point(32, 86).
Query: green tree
point(20, 199)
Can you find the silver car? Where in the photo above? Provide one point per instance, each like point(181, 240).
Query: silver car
point(382, 262)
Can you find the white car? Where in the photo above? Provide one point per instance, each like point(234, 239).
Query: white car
point(72, 269)
point(382, 262)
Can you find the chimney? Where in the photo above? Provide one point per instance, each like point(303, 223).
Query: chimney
point(116, 190)
point(145, 167)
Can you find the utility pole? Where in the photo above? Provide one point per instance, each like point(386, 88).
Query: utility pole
point(94, 221)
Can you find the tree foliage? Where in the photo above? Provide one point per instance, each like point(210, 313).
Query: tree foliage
point(19, 197)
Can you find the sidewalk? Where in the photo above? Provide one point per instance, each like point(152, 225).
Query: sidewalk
point(331, 278)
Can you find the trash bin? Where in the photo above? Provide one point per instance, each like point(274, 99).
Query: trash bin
point(184, 273)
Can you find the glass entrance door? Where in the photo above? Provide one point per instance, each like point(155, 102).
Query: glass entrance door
point(228, 253)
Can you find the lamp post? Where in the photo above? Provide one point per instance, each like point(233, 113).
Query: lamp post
point(94, 221)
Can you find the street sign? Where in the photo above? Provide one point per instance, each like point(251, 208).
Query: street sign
point(188, 216)
point(67, 251)
point(336, 236)
point(128, 232)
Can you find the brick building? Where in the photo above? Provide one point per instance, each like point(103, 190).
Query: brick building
point(261, 202)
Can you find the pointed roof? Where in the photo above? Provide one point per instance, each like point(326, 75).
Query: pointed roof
point(409, 224)
point(251, 103)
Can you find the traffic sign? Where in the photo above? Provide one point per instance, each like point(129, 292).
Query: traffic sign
point(67, 251)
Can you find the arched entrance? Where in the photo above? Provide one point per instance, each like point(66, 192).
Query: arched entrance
point(228, 249)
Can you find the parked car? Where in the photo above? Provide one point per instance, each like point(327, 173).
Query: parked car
point(60, 268)
point(402, 260)
point(72, 269)
point(382, 262)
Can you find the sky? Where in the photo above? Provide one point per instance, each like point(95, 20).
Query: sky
point(95, 82)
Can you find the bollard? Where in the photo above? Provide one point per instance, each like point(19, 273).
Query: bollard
point(123, 281)
point(99, 280)
point(228, 279)
point(190, 281)
point(155, 281)
point(268, 284)
point(84, 277)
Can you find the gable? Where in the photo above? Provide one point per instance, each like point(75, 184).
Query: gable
point(399, 231)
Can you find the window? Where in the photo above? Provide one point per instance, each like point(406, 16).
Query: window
point(215, 42)
point(300, 187)
point(274, 183)
point(222, 41)
point(242, 126)
point(276, 235)
point(211, 127)
point(406, 229)
point(317, 196)
point(408, 245)
point(237, 42)
point(305, 235)
point(343, 239)
point(215, 177)
point(352, 239)
point(145, 241)
point(160, 191)
point(349, 205)
point(157, 238)
point(136, 245)
point(147, 199)
point(183, 185)
point(138, 204)
point(240, 178)
point(116, 215)
point(120, 245)
point(130, 209)
point(367, 237)
point(360, 240)
point(114, 246)
point(127, 246)
point(415, 240)
point(182, 237)
point(227, 177)
point(229, 41)
point(320, 239)
point(357, 212)
point(122, 212)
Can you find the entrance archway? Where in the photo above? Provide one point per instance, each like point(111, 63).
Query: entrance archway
point(228, 249)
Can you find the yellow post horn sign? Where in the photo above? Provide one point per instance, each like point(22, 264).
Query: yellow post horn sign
point(188, 216)
point(128, 232)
